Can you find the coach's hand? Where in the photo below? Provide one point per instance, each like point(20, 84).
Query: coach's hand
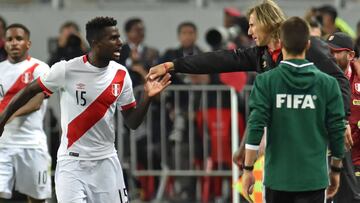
point(334, 184)
point(160, 70)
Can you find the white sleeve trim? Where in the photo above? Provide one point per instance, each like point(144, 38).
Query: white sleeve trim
point(336, 158)
point(252, 147)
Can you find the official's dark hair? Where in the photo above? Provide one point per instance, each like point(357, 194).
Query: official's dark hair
point(68, 24)
point(186, 24)
point(21, 26)
point(294, 34)
point(130, 23)
point(95, 27)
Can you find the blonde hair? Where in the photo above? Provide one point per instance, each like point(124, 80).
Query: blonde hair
point(270, 16)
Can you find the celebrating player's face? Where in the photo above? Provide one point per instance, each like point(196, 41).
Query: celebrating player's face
point(257, 32)
point(17, 44)
point(110, 44)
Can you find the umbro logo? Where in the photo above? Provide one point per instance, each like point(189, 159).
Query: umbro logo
point(80, 86)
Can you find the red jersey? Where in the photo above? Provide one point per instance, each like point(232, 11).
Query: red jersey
point(354, 119)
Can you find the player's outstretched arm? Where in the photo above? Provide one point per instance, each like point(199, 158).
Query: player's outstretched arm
point(19, 100)
point(133, 117)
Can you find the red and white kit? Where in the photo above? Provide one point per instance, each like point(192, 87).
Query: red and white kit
point(88, 100)
point(23, 137)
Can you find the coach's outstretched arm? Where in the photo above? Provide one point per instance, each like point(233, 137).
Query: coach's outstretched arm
point(133, 117)
point(19, 100)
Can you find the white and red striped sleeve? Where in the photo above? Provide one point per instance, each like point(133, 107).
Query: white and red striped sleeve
point(53, 79)
point(126, 99)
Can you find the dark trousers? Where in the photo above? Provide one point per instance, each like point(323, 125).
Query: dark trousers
point(349, 190)
point(276, 196)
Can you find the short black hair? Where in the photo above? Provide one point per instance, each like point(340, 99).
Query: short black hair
point(330, 10)
point(70, 24)
point(21, 26)
point(130, 23)
point(314, 23)
point(95, 27)
point(294, 35)
point(186, 24)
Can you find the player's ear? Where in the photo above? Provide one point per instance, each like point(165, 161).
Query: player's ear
point(308, 45)
point(28, 44)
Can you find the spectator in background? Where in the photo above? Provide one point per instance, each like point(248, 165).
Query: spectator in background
point(3, 54)
point(231, 16)
point(315, 28)
point(135, 55)
point(341, 46)
point(327, 15)
point(187, 36)
point(357, 40)
point(69, 43)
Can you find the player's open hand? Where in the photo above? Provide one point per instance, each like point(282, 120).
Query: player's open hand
point(154, 87)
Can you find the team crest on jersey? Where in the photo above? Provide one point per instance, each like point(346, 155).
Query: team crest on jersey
point(27, 77)
point(116, 89)
point(357, 87)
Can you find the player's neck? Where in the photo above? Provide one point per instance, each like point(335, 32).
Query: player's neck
point(97, 61)
point(287, 56)
point(17, 60)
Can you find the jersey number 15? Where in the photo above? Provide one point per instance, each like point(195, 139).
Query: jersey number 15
point(80, 99)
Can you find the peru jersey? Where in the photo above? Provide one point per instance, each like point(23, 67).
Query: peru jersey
point(354, 118)
point(23, 131)
point(88, 100)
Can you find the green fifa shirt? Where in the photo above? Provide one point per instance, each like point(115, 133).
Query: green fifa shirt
point(303, 110)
